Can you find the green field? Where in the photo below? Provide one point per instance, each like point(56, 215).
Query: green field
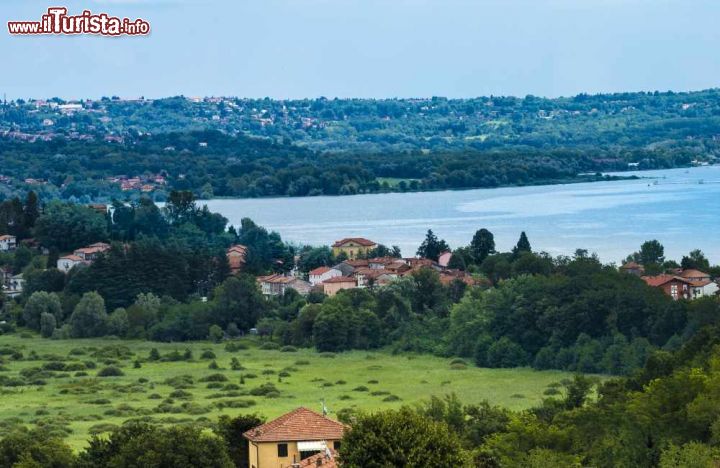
point(395, 181)
point(88, 403)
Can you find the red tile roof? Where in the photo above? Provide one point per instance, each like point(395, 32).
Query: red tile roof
point(693, 274)
point(340, 279)
point(358, 240)
point(659, 280)
point(320, 270)
point(74, 258)
point(300, 424)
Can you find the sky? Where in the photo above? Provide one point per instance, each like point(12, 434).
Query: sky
point(369, 48)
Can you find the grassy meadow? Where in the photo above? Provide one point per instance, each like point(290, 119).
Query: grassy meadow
point(57, 383)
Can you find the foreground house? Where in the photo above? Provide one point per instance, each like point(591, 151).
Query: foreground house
point(276, 285)
point(353, 247)
point(294, 438)
point(8, 243)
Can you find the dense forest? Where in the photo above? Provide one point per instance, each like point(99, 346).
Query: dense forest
point(212, 164)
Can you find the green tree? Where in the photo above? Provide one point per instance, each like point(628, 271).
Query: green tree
point(69, 226)
point(22, 448)
point(141, 445)
point(118, 323)
point(238, 300)
point(651, 252)
point(48, 323)
point(400, 438)
point(523, 244)
point(40, 303)
point(432, 247)
point(482, 245)
point(695, 260)
point(89, 319)
point(31, 210)
point(232, 430)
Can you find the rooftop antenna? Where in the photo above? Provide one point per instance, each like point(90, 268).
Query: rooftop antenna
point(324, 408)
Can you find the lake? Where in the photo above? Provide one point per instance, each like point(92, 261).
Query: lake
point(679, 207)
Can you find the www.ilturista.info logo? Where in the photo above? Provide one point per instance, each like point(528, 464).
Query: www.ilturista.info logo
point(57, 21)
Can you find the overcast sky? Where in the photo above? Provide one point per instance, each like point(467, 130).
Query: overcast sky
point(370, 48)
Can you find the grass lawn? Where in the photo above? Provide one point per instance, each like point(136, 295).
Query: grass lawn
point(394, 181)
point(86, 404)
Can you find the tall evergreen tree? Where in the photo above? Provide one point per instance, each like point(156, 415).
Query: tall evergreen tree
point(523, 244)
point(482, 245)
point(432, 247)
point(31, 210)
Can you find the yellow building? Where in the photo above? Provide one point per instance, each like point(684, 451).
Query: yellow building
point(353, 247)
point(292, 438)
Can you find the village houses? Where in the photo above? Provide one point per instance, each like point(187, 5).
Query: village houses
point(298, 439)
point(82, 256)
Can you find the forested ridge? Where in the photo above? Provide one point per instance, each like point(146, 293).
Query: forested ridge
point(250, 148)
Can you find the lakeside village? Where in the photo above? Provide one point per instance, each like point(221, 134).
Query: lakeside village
point(358, 269)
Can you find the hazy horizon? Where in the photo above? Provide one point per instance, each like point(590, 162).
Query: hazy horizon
point(378, 49)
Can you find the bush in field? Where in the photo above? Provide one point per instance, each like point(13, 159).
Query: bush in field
point(40, 303)
point(505, 353)
point(117, 323)
point(110, 371)
point(89, 318)
point(47, 324)
point(154, 355)
point(207, 354)
point(215, 334)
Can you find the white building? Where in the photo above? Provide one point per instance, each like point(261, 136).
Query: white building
point(67, 263)
point(7, 243)
point(321, 274)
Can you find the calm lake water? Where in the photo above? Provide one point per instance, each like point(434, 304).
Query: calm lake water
point(679, 207)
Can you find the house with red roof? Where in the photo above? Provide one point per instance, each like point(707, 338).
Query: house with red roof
point(320, 274)
point(92, 251)
point(353, 247)
point(334, 285)
point(236, 257)
point(277, 285)
point(293, 439)
point(633, 268)
point(672, 285)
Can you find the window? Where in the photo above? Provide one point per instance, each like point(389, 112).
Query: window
point(282, 450)
point(674, 291)
point(336, 445)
